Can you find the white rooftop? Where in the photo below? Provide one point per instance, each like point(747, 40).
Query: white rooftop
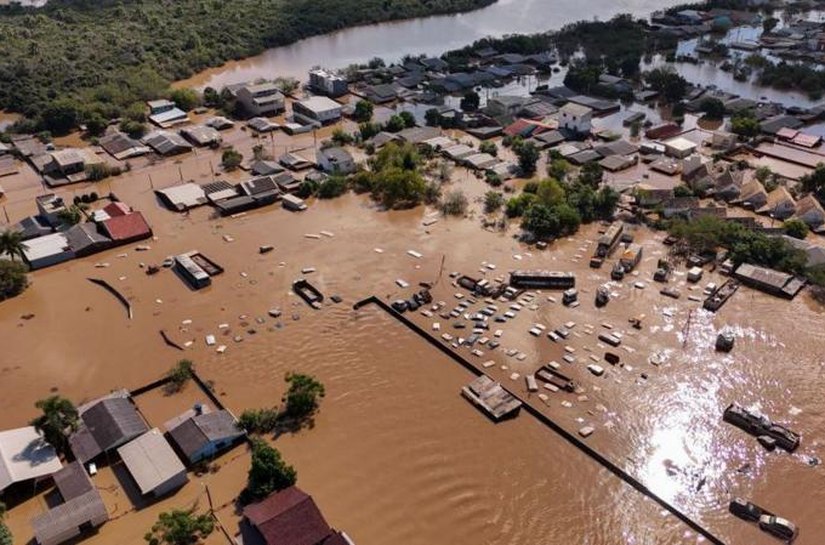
point(151, 460)
point(681, 144)
point(24, 455)
point(45, 246)
point(320, 104)
point(187, 195)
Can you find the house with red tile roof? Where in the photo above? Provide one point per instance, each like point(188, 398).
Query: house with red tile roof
point(291, 517)
point(126, 228)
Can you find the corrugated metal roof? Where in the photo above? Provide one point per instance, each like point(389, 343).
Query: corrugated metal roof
point(151, 461)
point(24, 455)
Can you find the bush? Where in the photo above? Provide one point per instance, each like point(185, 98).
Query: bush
point(185, 99)
point(341, 137)
point(493, 179)
point(796, 228)
point(455, 203)
point(231, 159)
point(98, 171)
point(259, 420)
point(332, 187)
point(179, 375)
point(488, 147)
point(363, 111)
point(13, 279)
point(493, 201)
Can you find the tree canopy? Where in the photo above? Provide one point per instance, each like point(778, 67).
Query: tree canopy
point(268, 473)
point(59, 420)
point(179, 527)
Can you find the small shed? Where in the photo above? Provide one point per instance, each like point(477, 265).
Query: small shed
point(153, 464)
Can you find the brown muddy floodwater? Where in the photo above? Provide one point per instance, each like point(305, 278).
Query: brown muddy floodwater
point(428, 36)
point(396, 455)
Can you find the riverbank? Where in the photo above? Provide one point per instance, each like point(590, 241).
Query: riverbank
point(130, 53)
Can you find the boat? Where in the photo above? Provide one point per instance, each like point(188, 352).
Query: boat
point(602, 296)
point(308, 293)
point(720, 296)
point(758, 425)
point(724, 341)
point(265, 249)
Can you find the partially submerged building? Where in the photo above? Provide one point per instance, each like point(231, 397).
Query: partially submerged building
point(319, 110)
point(768, 280)
point(25, 457)
point(327, 83)
point(165, 113)
point(106, 424)
point(167, 143)
point(261, 99)
point(153, 465)
point(201, 435)
point(81, 508)
point(335, 160)
point(182, 197)
point(122, 147)
point(291, 517)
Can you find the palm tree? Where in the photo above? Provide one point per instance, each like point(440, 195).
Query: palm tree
point(11, 243)
point(58, 421)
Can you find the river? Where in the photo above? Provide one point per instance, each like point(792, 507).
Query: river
point(430, 36)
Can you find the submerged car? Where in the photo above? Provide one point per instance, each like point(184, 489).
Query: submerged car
point(745, 510)
point(781, 528)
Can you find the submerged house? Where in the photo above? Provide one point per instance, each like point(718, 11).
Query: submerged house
point(106, 424)
point(780, 204)
point(25, 457)
point(335, 160)
point(809, 210)
point(291, 517)
point(81, 509)
point(261, 99)
point(153, 465)
point(200, 434)
point(165, 113)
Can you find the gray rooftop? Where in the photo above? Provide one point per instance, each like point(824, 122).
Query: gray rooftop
point(107, 424)
point(194, 434)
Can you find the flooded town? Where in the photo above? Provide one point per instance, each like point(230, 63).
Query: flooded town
point(513, 273)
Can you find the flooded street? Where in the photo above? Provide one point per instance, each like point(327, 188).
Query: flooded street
point(396, 454)
point(428, 36)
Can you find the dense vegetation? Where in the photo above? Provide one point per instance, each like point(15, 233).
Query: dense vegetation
point(180, 528)
point(551, 208)
point(77, 60)
point(705, 235)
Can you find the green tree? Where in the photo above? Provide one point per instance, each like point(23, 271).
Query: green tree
point(408, 118)
point(550, 192)
point(259, 420)
point(470, 101)
point(179, 527)
point(12, 244)
point(432, 117)
point(493, 201)
point(591, 174)
point(185, 99)
point(395, 123)
point(332, 187)
point(745, 125)
point(59, 420)
point(71, 215)
point(455, 203)
point(558, 169)
point(13, 279)
point(528, 156)
point(60, 116)
point(668, 83)
point(363, 111)
point(517, 206)
point(488, 147)
point(713, 108)
point(368, 129)
point(231, 159)
point(768, 24)
point(268, 473)
point(303, 395)
point(287, 85)
point(179, 375)
point(795, 228)
point(96, 124)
